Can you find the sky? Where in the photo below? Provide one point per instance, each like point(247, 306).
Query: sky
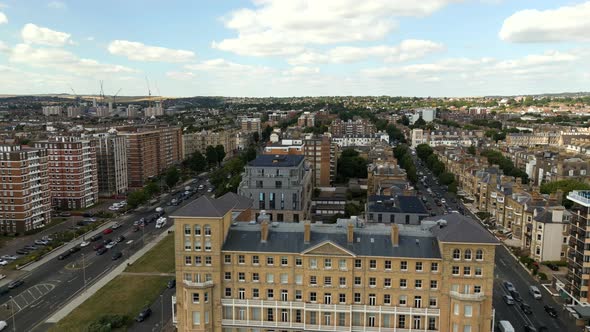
point(264, 48)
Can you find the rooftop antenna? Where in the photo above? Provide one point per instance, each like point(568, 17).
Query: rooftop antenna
point(149, 91)
point(101, 91)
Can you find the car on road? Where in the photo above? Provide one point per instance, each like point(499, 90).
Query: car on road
point(535, 292)
point(107, 231)
point(116, 255)
point(143, 315)
point(516, 296)
point(64, 255)
point(505, 326)
point(3, 325)
point(171, 283)
point(88, 214)
point(101, 251)
point(526, 308)
point(31, 247)
point(74, 250)
point(509, 286)
point(9, 257)
point(550, 311)
point(41, 242)
point(161, 222)
point(23, 251)
point(121, 238)
point(95, 238)
point(116, 225)
point(98, 246)
point(15, 283)
point(508, 299)
point(84, 243)
point(65, 214)
point(3, 262)
point(110, 244)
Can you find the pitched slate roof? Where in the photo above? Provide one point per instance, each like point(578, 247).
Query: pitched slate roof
point(461, 229)
point(207, 207)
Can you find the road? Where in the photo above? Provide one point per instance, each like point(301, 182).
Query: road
point(506, 268)
point(54, 283)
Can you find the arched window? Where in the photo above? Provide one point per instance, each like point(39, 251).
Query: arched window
point(479, 255)
point(467, 254)
point(207, 230)
point(197, 230)
point(456, 254)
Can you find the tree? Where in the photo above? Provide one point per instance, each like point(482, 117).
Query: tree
point(404, 120)
point(565, 186)
point(472, 150)
point(220, 153)
point(351, 165)
point(420, 123)
point(197, 162)
point(266, 133)
point(137, 198)
point(151, 189)
point(249, 154)
point(211, 155)
point(424, 151)
point(172, 177)
point(446, 178)
point(256, 137)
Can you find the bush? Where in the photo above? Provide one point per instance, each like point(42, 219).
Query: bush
point(107, 323)
point(542, 276)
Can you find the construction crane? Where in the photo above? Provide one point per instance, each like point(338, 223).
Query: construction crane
point(76, 97)
point(115, 98)
point(149, 91)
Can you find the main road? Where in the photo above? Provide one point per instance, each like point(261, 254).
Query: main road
point(53, 284)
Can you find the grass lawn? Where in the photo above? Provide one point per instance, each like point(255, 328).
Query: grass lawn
point(159, 259)
point(124, 295)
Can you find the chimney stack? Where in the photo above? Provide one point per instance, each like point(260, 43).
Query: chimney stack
point(394, 235)
point(264, 231)
point(307, 232)
point(350, 233)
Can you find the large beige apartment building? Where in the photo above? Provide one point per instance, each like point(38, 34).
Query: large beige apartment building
point(199, 141)
point(25, 202)
point(238, 276)
point(72, 171)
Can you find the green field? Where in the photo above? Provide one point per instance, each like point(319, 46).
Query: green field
point(159, 259)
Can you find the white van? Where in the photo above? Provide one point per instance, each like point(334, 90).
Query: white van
point(161, 222)
point(505, 326)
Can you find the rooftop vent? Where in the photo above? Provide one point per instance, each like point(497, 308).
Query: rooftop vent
point(358, 240)
point(417, 242)
point(372, 240)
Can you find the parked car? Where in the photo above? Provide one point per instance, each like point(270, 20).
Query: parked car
point(135, 228)
point(64, 255)
point(551, 311)
point(88, 214)
point(95, 237)
point(65, 214)
point(98, 246)
point(110, 244)
point(74, 249)
point(84, 244)
point(107, 231)
point(509, 286)
point(535, 292)
point(121, 238)
point(117, 255)
point(526, 308)
point(144, 314)
point(508, 299)
point(553, 267)
point(22, 251)
point(3, 325)
point(31, 247)
point(9, 257)
point(101, 251)
point(41, 242)
point(15, 283)
point(3, 262)
point(116, 225)
point(516, 296)
point(171, 283)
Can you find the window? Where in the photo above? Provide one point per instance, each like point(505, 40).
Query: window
point(255, 260)
point(284, 295)
point(342, 298)
point(284, 261)
point(255, 293)
point(455, 270)
point(187, 229)
point(403, 265)
point(313, 263)
point(372, 282)
point(327, 263)
point(206, 297)
point(403, 283)
point(433, 267)
point(299, 279)
point(342, 281)
point(419, 266)
point(387, 299)
point(388, 265)
point(479, 255)
point(270, 278)
point(456, 309)
point(418, 301)
point(241, 259)
point(477, 289)
point(432, 302)
point(241, 276)
point(270, 293)
point(342, 264)
point(197, 245)
point(188, 260)
point(372, 299)
point(373, 264)
point(468, 310)
point(357, 264)
point(227, 259)
point(207, 244)
point(357, 281)
point(270, 260)
point(327, 281)
point(357, 297)
point(298, 262)
point(196, 297)
point(269, 315)
point(207, 229)
point(228, 292)
point(402, 321)
point(327, 298)
point(227, 276)
point(432, 323)
point(198, 260)
point(312, 297)
point(313, 280)
point(418, 284)
point(467, 254)
point(387, 282)
point(466, 328)
point(456, 254)
point(403, 300)
point(298, 295)
point(196, 318)
point(255, 277)
point(478, 272)
point(341, 319)
point(284, 278)
point(433, 284)
point(197, 230)
point(466, 270)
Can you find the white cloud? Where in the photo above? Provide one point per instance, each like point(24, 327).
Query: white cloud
point(181, 76)
point(222, 66)
point(4, 48)
point(33, 34)
point(409, 49)
point(141, 52)
point(568, 23)
point(441, 66)
point(301, 70)
point(57, 5)
point(3, 18)
point(277, 27)
point(536, 60)
point(61, 59)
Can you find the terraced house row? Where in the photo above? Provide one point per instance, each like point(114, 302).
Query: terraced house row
point(240, 274)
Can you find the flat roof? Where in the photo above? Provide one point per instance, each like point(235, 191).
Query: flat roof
point(270, 160)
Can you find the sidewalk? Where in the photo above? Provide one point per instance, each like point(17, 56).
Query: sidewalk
point(83, 295)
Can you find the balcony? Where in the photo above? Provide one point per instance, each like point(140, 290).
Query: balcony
point(581, 197)
point(312, 327)
point(467, 297)
point(205, 284)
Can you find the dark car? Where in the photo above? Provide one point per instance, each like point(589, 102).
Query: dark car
point(551, 311)
point(526, 308)
point(509, 286)
point(64, 255)
point(95, 237)
point(101, 251)
point(171, 283)
point(22, 252)
point(135, 228)
point(74, 249)
point(4, 291)
point(553, 267)
point(88, 214)
point(144, 314)
point(65, 214)
point(121, 238)
point(15, 284)
point(116, 255)
point(31, 247)
point(516, 295)
point(98, 246)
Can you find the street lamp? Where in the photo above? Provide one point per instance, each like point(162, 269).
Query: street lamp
point(84, 270)
point(13, 318)
point(162, 307)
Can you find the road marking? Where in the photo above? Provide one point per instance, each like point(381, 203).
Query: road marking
point(22, 297)
point(76, 277)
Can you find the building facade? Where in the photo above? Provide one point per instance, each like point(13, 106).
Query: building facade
point(72, 171)
point(578, 255)
point(25, 195)
point(352, 127)
point(280, 185)
point(251, 125)
point(307, 277)
point(307, 119)
point(111, 156)
point(199, 141)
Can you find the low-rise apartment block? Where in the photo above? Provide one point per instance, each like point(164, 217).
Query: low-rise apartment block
point(352, 127)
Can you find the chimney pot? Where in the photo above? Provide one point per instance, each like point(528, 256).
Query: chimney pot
point(394, 235)
point(264, 231)
point(307, 232)
point(350, 233)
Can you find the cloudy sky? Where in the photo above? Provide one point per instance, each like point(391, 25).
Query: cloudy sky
point(295, 47)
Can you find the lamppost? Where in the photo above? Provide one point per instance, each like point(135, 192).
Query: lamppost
point(162, 309)
point(13, 318)
point(84, 270)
